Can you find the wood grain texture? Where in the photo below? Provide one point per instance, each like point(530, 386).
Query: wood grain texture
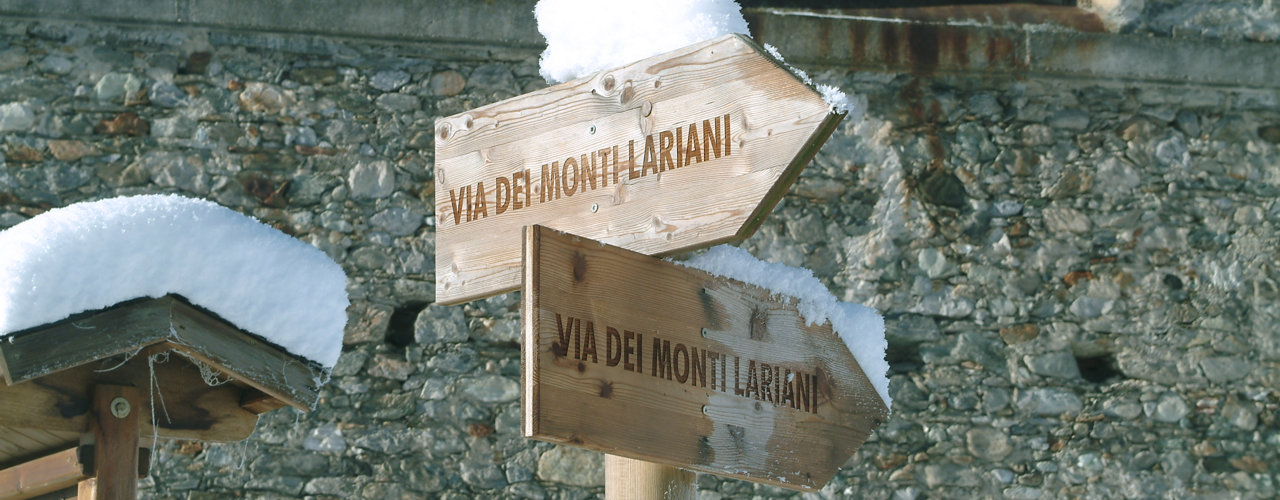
point(22, 444)
point(87, 489)
point(627, 479)
point(136, 325)
point(795, 434)
point(769, 125)
point(185, 406)
point(48, 373)
point(83, 338)
point(43, 475)
point(115, 446)
point(240, 355)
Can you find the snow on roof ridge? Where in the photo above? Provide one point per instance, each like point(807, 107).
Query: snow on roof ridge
point(860, 327)
point(92, 255)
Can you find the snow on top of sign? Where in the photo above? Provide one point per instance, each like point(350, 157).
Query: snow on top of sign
point(860, 327)
point(581, 42)
point(834, 97)
point(93, 255)
point(586, 36)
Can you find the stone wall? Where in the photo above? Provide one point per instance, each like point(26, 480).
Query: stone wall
point(1239, 20)
point(1079, 277)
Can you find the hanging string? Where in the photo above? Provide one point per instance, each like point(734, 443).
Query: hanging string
point(126, 359)
point(162, 357)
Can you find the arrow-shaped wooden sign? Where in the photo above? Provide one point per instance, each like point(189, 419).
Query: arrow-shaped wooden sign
point(642, 358)
point(672, 153)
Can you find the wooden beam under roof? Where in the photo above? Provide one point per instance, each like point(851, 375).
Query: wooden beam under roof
point(200, 377)
point(129, 328)
point(41, 476)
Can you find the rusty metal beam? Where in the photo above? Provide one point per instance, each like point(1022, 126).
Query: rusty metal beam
point(1007, 43)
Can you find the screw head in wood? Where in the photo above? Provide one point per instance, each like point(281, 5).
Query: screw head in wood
point(704, 332)
point(595, 207)
point(592, 129)
point(120, 407)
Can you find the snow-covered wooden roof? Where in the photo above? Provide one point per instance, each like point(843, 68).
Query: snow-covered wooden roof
point(202, 378)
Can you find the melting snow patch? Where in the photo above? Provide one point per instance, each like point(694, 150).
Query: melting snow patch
point(93, 255)
point(860, 327)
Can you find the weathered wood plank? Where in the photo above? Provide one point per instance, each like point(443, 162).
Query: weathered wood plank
point(43, 475)
point(132, 327)
point(10, 452)
point(22, 439)
point(49, 373)
point(241, 355)
point(259, 402)
point(627, 479)
point(115, 423)
point(748, 390)
point(73, 342)
point(185, 406)
point(669, 154)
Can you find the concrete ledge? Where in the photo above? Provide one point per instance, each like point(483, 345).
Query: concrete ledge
point(506, 22)
point(946, 46)
point(1005, 40)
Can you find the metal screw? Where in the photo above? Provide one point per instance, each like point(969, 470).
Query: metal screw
point(593, 129)
point(120, 407)
point(595, 207)
point(704, 409)
point(704, 332)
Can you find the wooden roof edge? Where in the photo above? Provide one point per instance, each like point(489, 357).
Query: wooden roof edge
point(126, 328)
point(270, 369)
point(130, 327)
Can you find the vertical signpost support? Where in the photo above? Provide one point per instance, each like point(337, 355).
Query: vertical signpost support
point(115, 449)
point(627, 479)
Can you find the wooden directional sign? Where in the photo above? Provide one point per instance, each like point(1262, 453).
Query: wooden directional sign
point(668, 154)
point(638, 357)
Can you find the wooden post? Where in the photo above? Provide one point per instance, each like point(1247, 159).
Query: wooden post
point(627, 479)
point(87, 489)
point(116, 411)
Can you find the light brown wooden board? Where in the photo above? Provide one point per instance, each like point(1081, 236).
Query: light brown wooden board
point(40, 476)
point(18, 445)
point(635, 414)
point(627, 479)
point(770, 125)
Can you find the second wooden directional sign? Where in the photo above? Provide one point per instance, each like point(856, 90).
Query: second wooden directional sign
point(672, 153)
point(638, 357)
